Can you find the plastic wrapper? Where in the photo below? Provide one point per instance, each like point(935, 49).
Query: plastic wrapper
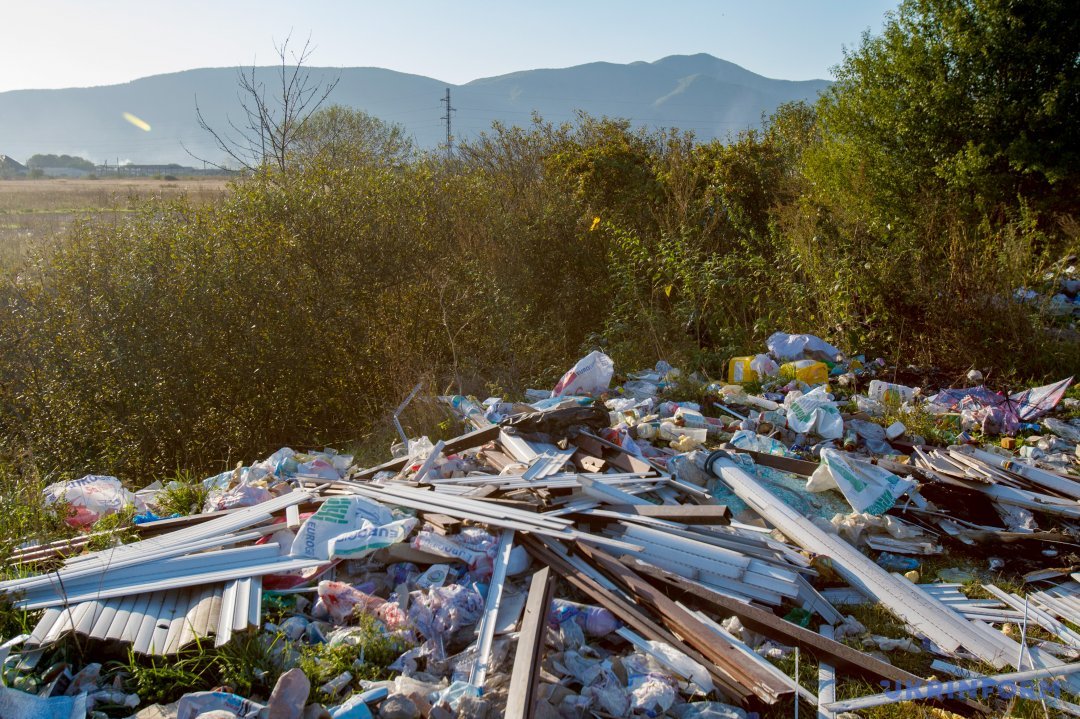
point(15, 704)
point(746, 440)
point(591, 375)
point(595, 621)
point(787, 347)
point(91, 498)
point(1065, 430)
point(441, 611)
point(872, 435)
point(242, 495)
point(867, 487)
point(196, 703)
point(341, 600)
point(651, 694)
point(764, 366)
point(815, 412)
point(605, 690)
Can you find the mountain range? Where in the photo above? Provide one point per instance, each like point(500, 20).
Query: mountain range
point(712, 97)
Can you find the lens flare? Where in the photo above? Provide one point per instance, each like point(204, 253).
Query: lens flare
point(137, 122)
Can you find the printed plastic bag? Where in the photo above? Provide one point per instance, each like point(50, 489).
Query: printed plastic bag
point(369, 538)
point(815, 412)
point(591, 375)
point(91, 497)
point(867, 487)
point(336, 516)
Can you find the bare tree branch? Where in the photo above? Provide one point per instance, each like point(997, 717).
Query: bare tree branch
point(269, 128)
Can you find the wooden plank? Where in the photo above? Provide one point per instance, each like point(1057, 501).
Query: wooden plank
point(466, 441)
point(769, 625)
point(521, 696)
point(441, 522)
point(630, 614)
point(694, 632)
point(681, 513)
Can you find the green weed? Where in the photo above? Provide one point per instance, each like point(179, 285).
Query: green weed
point(184, 495)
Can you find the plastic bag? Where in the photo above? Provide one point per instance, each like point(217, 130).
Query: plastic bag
point(596, 621)
point(242, 495)
point(369, 538)
point(591, 375)
point(747, 440)
point(341, 600)
point(815, 412)
point(91, 497)
point(867, 487)
point(764, 366)
point(336, 516)
point(793, 347)
point(15, 704)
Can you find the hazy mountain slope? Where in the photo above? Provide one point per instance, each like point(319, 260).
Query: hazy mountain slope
point(713, 97)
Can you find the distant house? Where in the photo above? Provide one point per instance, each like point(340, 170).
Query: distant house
point(11, 168)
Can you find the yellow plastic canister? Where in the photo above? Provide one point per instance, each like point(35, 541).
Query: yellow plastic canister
point(808, 371)
point(739, 370)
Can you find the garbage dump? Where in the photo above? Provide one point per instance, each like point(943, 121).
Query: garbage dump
point(603, 549)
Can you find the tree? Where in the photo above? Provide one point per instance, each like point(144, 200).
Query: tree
point(344, 136)
point(270, 125)
point(75, 162)
point(976, 98)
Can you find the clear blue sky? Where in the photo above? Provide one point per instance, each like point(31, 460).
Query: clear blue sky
point(74, 43)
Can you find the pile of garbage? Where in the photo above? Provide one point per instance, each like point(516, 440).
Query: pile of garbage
point(600, 549)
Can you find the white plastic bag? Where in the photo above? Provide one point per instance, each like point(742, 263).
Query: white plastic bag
point(815, 412)
point(867, 487)
point(591, 375)
point(91, 497)
point(764, 366)
point(787, 347)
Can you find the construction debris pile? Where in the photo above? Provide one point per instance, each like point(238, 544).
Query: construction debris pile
point(603, 551)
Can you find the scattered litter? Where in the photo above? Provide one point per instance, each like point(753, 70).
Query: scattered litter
point(605, 547)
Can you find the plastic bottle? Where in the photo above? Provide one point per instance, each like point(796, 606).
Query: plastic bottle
point(889, 393)
point(735, 393)
point(469, 409)
point(689, 418)
point(594, 621)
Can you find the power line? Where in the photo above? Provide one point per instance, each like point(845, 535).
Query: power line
point(449, 136)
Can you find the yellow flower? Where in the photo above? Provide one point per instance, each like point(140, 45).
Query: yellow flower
point(595, 223)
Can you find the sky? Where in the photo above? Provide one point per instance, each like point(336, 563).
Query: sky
point(79, 43)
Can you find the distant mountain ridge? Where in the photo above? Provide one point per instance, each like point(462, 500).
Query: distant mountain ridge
point(713, 97)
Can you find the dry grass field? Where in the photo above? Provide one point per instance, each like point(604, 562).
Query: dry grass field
point(34, 211)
